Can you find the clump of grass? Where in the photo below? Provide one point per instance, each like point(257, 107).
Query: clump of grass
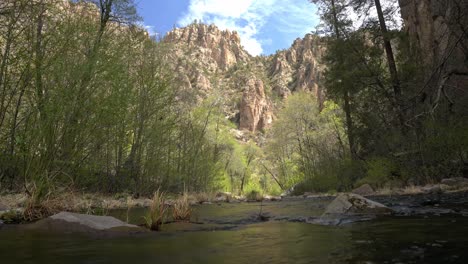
point(182, 210)
point(129, 207)
point(38, 205)
point(157, 212)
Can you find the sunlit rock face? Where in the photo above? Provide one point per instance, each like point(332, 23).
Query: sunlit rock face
point(299, 68)
point(220, 49)
point(255, 111)
point(212, 62)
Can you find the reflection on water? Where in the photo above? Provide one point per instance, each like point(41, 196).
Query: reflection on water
point(387, 240)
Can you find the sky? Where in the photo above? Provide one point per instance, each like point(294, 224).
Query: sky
point(264, 26)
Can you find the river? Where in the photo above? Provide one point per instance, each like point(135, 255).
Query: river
point(231, 233)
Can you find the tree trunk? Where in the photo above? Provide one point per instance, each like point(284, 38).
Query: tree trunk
point(391, 66)
point(346, 95)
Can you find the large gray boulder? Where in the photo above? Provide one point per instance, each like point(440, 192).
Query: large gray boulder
point(349, 208)
point(364, 190)
point(74, 222)
point(354, 204)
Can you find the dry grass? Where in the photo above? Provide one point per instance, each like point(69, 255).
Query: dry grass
point(182, 210)
point(157, 212)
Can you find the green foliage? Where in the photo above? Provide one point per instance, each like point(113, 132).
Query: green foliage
point(308, 146)
point(380, 171)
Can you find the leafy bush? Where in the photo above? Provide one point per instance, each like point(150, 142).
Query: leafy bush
point(380, 172)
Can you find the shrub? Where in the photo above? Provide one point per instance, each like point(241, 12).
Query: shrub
point(254, 195)
point(380, 172)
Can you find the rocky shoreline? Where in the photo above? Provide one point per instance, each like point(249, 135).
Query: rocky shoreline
point(448, 197)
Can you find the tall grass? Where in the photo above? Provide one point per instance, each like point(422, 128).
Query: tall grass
point(38, 205)
point(157, 212)
point(182, 210)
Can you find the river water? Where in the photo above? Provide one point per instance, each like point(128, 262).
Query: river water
point(231, 233)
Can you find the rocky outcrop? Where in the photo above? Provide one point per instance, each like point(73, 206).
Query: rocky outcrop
point(254, 108)
point(210, 61)
point(438, 29)
point(221, 47)
point(299, 68)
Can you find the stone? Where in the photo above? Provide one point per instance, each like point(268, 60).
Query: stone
point(354, 204)
point(457, 182)
point(223, 197)
point(364, 190)
point(432, 189)
point(65, 221)
point(271, 198)
point(3, 207)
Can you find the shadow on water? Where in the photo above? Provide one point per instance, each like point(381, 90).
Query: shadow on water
point(438, 239)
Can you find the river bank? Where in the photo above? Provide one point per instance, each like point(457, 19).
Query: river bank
point(408, 200)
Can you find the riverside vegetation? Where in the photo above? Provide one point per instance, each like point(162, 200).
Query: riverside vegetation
point(90, 103)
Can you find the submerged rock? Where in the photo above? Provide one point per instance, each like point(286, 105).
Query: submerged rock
point(364, 190)
point(74, 222)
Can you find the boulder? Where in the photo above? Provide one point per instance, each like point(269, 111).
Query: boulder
point(432, 189)
point(457, 182)
point(74, 222)
point(364, 190)
point(223, 197)
point(349, 208)
point(3, 207)
point(354, 204)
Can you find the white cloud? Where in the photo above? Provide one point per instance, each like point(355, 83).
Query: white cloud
point(250, 17)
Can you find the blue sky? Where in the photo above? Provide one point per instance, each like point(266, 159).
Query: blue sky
point(264, 25)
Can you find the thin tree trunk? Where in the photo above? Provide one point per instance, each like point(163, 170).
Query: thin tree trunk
point(346, 95)
point(391, 66)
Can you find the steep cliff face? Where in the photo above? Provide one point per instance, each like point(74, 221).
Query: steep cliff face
point(298, 68)
point(439, 28)
point(255, 108)
point(220, 50)
point(210, 61)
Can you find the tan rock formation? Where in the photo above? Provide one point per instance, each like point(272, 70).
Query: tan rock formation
point(299, 68)
point(210, 61)
point(255, 111)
